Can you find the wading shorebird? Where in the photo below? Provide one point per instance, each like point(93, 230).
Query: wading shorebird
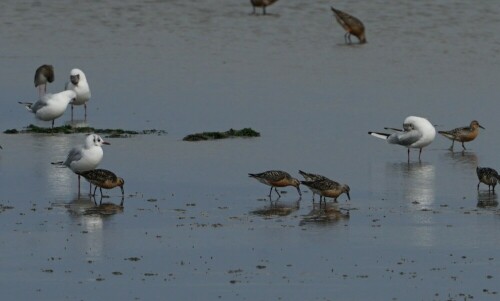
point(84, 157)
point(50, 106)
point(417, 132)
point(327, 188)
point(102, 178)
point(43, 75)
point(261, 3)
point(352, 26)
point(488, 176)
point(276, 178)
point(78, 83)
point(463, 134)
point(312, 177)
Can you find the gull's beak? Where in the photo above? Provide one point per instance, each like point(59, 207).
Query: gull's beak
point(107, 143)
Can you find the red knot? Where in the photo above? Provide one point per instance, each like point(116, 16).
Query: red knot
point(276, 178)
point(463, 134)
point(352, 26)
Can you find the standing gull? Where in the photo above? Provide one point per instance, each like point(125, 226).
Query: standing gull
point(78, 83)
point(463, 134)
point(352, 26)
point(261, 3)
point(417, 132)
point(84, 157)
point(50, 106)
point(488, 176)
point(43, 75)
point(276, 178)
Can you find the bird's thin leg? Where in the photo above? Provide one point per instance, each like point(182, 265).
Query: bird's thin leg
point(263, 10)
point(463, 146)
point(478, 185)
point(279, 195)
point(419, 153)
point(452, 144)
point(72, 113)
point(95, 188)
point(408, 155)
point(78, 184)
point(85, 106)
point(270, 191)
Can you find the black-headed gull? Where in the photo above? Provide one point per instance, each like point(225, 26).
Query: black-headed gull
point(50, 106)
point(84, 157)
point(417, 132)
point(78, 83)
point(43, 75)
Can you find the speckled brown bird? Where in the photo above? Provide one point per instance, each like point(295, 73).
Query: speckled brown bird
point(276, 178)
point(327, 188)
point(352, 26)
point(102, 178)
point(488, 176)
point(312, 177)
point(43, 75)
point(463, 134)
point(261, 3)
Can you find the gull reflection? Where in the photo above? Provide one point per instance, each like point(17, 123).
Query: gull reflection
point(417, 181)
point(325, 214)
point(277, 208)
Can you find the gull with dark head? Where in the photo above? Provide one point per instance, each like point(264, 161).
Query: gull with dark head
point(50, 106)
point(417, 132)
point(78, 83)
point(43, 75)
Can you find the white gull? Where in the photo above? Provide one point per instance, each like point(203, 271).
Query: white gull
point(417, 132)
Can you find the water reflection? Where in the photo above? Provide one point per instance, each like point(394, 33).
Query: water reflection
point(325, 214)
point(462, 158)
point(277, 208)
point(417, 181)
point(486, 199)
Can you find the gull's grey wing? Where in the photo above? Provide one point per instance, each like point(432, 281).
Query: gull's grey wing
point(404, 138)
point(75, 154)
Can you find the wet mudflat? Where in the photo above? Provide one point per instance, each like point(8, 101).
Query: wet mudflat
point(193, 225)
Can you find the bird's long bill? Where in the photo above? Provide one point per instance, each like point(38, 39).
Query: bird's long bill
point(348, 196)
point(482, 127)
point(298, 190)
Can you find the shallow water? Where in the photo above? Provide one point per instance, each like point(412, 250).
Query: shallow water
point(193, 224)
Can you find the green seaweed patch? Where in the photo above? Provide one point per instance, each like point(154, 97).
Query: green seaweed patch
point(68, 129)
point(246, 132)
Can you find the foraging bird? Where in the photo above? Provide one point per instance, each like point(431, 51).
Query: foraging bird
point(327, 188)
point(78, 83)
point(50, 106)
point(463, 134)
point(276, 178)
point(84, 157)
point(488, 176)
point(312, 177)
point(43, 75)
point(417, 132)
point(352, 26)
point(261, 3)
point(102, 178)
